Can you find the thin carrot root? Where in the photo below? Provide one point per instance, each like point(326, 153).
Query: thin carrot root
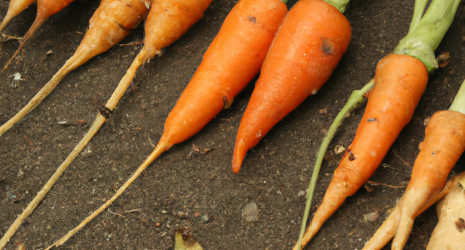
point(104, 31)
point(444, 143)
point(45, 9)
point(41, 194)
point(14, 8)
point(159, 149)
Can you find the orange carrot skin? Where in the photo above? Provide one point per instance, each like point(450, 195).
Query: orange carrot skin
point(111, 22)
point(47, 8)
point(231, 61)
point(443, 145)
point(307, 48)
point(14, 8)
point(399, 83)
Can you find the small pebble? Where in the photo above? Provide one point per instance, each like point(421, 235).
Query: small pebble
point(204, 218)
point(250, 212)
point(182, 215)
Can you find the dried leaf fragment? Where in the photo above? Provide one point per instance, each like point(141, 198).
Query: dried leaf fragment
point(443, 59)
point(183, 240)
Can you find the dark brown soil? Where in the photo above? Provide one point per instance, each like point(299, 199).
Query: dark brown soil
point(274, 173)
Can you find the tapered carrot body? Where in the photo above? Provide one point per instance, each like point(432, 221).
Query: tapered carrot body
point(14, 8)
point(400, 81)
point(231, 61)
point(45, 9)
point(443, 145)
point(111, 22)
point(307, 48)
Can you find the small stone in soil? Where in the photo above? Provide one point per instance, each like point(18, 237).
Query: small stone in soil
point(205, 218)
point(250, 212)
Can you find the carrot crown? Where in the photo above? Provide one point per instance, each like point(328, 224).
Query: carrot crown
point(338, 4)
point(426, 32)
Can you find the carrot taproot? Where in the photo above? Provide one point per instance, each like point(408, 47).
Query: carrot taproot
point(307, 48)
point(443, 145)
point(14, 8)
point(230, 62)
point(448, 233)
point(112, 21)
point(45, 9)
point(400, 81)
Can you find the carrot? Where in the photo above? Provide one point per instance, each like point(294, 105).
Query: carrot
point(111, 22)
point(305, 52)
point(400, 81)
point(231, 61)
point(443, 145)
point(45, 9)
point(448, 233)
point(14, 8)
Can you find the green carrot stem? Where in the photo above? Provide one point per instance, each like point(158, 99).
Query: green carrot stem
point(459, 100)
point(417, 13)
point(284, 1)
point(338, 4)
point(427, 34)
point(355, 98)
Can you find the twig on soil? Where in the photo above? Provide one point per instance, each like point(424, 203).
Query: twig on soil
point(127, 212)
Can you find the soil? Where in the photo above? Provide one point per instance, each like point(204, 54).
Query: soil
point(275, 173)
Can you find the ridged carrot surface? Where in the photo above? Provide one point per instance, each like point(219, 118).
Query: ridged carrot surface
point(307, 48)
point(443, 145)
point(400, 81)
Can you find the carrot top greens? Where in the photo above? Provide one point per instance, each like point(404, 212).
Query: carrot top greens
point(338, 4)
point(426, 32)
point(459, 100)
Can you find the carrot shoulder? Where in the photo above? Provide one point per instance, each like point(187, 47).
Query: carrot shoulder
point(307, 48)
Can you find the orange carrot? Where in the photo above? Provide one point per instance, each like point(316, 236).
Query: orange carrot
point(231, 61)
point(45, 9)
point(305, 52)
point(399, 83)
point(14, 8)
point(111, 22)
point(443, 145)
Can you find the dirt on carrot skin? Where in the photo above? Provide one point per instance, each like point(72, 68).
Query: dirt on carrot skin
point(185, 187)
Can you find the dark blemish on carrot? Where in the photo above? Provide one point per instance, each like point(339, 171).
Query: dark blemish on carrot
point(253, 19)
point(327, 46)
point(372, 120)
point(434, 153)
point(105, 112)
point(225, 102)
point(351, 155)
point(460, 224)
point(122, 27)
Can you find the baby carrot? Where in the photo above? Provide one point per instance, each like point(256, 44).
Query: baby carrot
point(111, 22)
point(231, 61)
point(399, 83)
point(14, 8)
point(45, 9)
point(443, 145)
point(307, 48)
